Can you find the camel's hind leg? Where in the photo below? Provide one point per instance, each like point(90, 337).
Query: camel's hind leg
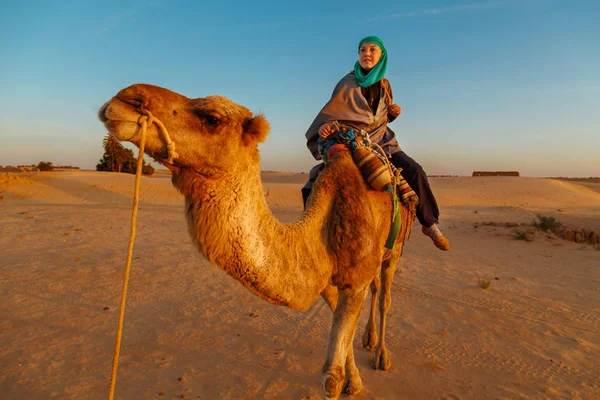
point(339, 350)
point(388, 269)
point(369, 339)
point(353, 383)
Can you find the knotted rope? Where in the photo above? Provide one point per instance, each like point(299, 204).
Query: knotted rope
point(145, 120)
point(150, 119)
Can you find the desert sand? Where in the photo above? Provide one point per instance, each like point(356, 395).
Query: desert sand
point(193, 332)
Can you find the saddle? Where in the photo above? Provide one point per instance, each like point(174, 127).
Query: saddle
point(370, 159)
point(379, 173)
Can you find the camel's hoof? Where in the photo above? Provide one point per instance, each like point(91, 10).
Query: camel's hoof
point(353, 386)
point(369, 340)
point(382, 360)
point(333, 380)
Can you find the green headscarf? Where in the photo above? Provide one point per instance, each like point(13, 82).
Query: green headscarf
point(378, 71)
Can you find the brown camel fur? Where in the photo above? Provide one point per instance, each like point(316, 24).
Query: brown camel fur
point(335, 250)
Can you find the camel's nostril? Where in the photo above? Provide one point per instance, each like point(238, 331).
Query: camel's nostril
point(131, 100)
point(134, 95)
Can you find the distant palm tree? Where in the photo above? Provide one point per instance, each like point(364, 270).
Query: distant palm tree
point(120, 157)
point(115, 151)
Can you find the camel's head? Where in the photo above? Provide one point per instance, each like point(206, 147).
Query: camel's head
point(210, 134)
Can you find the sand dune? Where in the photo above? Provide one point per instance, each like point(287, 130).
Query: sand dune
point(191, 330)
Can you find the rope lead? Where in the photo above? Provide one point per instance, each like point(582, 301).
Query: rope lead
point(145, 120)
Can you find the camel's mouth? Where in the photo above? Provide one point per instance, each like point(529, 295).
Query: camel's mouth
point(120, 117)
point(117, 109)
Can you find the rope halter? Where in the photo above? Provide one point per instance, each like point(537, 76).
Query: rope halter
point(146, 119)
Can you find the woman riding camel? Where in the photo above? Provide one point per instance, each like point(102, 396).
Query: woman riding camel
point(363, 100)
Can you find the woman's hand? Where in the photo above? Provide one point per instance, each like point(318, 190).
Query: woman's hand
point(395, 110)
point(325, 130)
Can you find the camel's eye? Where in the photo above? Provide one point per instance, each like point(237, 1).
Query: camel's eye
point(212, 120)
point(208, 117)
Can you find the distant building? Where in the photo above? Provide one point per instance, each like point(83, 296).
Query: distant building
point(495, 173)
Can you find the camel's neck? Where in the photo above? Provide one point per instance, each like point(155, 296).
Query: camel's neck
point(230, 222)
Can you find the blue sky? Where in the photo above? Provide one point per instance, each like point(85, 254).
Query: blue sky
point(483, 85)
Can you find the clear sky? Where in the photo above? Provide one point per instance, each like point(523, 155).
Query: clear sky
point(483, 85)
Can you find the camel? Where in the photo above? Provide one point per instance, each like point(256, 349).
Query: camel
point(335, 250)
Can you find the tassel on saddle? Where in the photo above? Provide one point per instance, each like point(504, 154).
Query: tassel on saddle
point(404, 191)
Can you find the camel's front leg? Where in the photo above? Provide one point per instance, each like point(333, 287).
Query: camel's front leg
point(345, 318)
point(388, 269)
point(353, 384)
point(369, 339)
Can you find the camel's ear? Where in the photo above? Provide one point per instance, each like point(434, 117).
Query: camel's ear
point(255, 130)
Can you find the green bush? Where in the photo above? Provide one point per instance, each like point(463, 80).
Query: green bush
point(546, 223)
point(522, 236)
point(45, 166)
point(147, 169)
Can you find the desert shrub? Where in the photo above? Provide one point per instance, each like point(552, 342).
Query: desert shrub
point(546, 223)
point(483, 283)
point(66, 167)
point(522, 236)
point(147, 169)
point(45, 166)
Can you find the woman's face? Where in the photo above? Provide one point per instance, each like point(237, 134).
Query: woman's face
point(369, 55)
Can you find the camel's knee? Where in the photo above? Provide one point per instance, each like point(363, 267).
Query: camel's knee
point(375, 283)
point(385, 302)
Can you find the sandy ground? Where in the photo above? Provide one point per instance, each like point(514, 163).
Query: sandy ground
point(193, 332)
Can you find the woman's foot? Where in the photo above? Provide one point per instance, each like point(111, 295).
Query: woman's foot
point(436, 235)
